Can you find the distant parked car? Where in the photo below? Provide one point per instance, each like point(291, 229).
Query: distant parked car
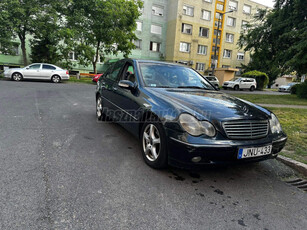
point(213, 80)
point(287, 88)
point(96, 77)
point(241, 83)
point(41, 71)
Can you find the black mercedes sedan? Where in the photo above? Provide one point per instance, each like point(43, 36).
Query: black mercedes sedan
point(183, 120)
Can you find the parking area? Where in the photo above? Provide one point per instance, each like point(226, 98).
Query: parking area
point(61, 169)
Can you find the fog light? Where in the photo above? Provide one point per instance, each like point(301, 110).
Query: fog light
point(196, 159)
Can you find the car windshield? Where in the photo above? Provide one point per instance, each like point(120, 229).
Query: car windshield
point(238, 79)
point(172, 76)
point(291, 84)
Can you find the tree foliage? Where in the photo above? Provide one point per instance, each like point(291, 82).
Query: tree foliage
point(102, 27)
point(17, 20)
point(262, 79)
point(278, 39)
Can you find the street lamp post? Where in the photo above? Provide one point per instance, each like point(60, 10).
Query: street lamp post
point(216, 39)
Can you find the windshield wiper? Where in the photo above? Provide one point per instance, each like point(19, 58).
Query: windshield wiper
point(191, 87)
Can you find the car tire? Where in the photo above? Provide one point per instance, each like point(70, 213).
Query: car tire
point(236, 88)
point(153, 144)
point(17, 77)
point(56, 79)
point(252, 88)
point(99, 109)
point(225, 88)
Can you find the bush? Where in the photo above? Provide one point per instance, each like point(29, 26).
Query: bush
point(294, 88)
point(262, 79)
point(302, 90)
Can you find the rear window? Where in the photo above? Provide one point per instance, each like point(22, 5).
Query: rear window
point(49, 67)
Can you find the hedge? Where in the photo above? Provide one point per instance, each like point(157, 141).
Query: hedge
point(262, 79)
point(302, 90)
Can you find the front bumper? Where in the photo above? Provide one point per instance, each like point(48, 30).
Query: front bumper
point(181, 153)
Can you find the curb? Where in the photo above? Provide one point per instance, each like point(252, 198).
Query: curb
point(300, 167)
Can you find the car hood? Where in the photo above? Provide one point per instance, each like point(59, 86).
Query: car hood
point(285, 86)
point(210, 105)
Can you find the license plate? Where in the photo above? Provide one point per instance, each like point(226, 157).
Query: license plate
point(254, 152)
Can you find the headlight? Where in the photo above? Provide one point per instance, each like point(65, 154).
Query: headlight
point(196, 127)
point(274, 124)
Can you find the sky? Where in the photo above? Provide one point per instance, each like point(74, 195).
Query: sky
point(265, 2)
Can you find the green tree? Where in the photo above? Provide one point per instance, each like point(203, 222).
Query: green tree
point(17, 20)
point(102, 27)
point(278, 39)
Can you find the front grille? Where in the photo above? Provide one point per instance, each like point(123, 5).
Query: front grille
point(247, 129)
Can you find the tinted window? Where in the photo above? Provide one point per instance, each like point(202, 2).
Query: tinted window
point(114, 73)
point(173, 76)
point(49, 67)
point(35, 66)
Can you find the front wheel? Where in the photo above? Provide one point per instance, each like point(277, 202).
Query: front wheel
point(236, 88)
point(153, 143)
point(17, 77)
point(252, 88)
point(56, 79)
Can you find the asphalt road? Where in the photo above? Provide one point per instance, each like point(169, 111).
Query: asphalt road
point(61, 169)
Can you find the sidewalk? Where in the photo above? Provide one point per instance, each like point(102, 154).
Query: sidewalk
point(284, 106)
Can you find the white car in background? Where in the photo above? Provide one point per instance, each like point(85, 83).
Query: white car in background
point(40, 71)
point(213, 80)
point(287, 88)
point(241, 83)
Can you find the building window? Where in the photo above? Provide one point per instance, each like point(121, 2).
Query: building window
point(246, 9)
point(216, 24)
point(244, 25)
point(233, 5)
point(220, 7)
point(227, 53)
point(215, 32)
point(229, 37)
point(185, 47)
point(156, 29)
point(157, 10)
point(155, 46)
point(217, 49)
point(231, 21)
point(207, 1)
point(218, 16)
point(188, 10)
point(200, 67)
point(203, 32)
point(240, 56)
point(186, 28)
point(72, 56)
point(206, 15)
point(138, 44)
point(218, 41)
point(226, 66)
point(139, 26)
point(202, 50)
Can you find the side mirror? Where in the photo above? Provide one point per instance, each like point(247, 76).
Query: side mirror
point(127, 84)
point(27, 68)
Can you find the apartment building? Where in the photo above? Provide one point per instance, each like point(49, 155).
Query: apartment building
point(185, 31)
point(197, 27)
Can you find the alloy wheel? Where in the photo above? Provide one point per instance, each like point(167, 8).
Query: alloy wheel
point(99, 108)
point(17, 77)
point(56, 79)
point(151, 142)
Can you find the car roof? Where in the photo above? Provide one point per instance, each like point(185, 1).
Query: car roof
point(154, 61)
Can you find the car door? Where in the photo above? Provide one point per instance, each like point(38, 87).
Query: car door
point(127, 100)
point(32, 71)
point(107, 84)
point(47, 71)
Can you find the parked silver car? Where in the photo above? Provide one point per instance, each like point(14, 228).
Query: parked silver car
point(287, 88)
point(41, 71)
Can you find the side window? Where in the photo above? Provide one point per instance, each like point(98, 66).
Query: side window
point(114, 73)
point(128, 73)
point(35, 66)
point(49, 67)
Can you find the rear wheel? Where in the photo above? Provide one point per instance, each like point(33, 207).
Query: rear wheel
point(252, 88)
point(153, 144)
point(99, 109)
point(236, 88)
point(17, 77)
point(56, 79)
